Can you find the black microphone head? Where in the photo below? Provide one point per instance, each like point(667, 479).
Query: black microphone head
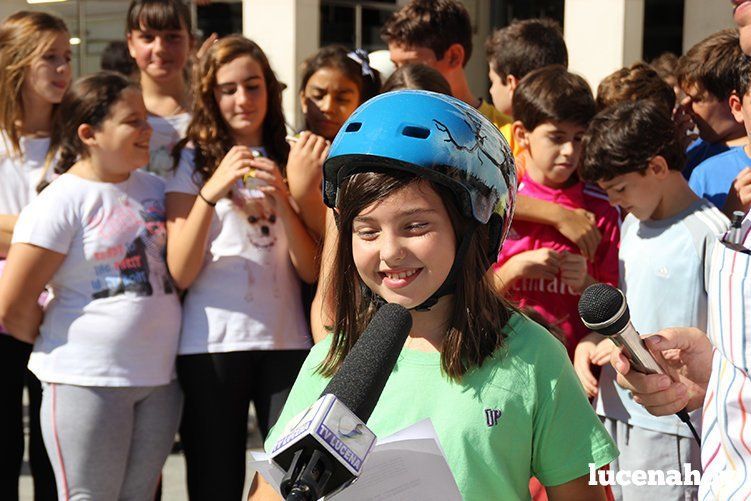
point(363, 374)
point(603, 309)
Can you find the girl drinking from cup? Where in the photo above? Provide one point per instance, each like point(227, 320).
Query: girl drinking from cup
point(240, 249)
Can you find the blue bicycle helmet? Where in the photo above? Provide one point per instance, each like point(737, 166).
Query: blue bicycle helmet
point(436, 137)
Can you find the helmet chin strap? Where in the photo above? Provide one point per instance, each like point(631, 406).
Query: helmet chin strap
point(448, 285)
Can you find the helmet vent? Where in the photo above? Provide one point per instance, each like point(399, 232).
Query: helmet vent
point(353, 127)
point(416, 132)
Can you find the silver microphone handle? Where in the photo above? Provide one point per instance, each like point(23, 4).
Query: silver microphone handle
point(636, 351)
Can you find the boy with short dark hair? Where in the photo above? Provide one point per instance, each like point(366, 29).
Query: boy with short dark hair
point(707, 74)
point(538, 266)
point(438, 33)
point(516, 50)
point(633, 151)
point(713, 178)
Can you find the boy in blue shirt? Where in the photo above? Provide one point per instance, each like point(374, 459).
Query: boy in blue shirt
point(713, 178)
point(707, 75)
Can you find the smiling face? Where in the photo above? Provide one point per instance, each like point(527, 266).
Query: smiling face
point(554, 149)
point(49, 74)
point(329, 98)
point(404, 245)
point(241, 95)
point(122, 139)
point(161, 55)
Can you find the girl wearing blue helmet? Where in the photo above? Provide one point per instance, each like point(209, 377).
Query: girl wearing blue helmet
point(423, 187)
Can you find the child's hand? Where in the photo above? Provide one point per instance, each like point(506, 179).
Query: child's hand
point(538, 264)
point(306, 158)
point(739, 195)
point(573, 270)
point(685, 125)
point(580, 226)
point(235, 164)
point(275, 187)
point(584, 356)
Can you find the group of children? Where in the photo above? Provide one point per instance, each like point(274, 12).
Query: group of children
point(168, 233)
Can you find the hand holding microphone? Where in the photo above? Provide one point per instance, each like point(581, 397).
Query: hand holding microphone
point(604, 310)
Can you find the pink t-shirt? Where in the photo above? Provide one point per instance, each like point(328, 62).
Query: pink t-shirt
point(555, 300)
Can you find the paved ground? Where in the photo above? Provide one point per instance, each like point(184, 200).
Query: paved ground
point(173, 474)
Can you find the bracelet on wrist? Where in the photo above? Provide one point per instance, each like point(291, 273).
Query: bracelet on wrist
point(208, 202)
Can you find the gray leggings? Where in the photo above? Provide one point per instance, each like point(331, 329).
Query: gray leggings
point(109, 443)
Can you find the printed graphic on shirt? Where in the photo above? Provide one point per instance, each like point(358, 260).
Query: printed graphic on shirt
point(492, 416)
point(138, 266)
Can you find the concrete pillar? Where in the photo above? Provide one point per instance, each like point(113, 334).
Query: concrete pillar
point(702, 18)
point(477, 67)
point(288, 32)
point(602, 36)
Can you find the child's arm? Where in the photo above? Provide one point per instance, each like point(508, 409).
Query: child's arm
point(303, 250)
point(577, 489)
point(304, 176)
point(189, 217)
point(535, 264)
point(7, 222)
point(578, 225)
point(593, 349)
point(26, 273)
point(322, 309)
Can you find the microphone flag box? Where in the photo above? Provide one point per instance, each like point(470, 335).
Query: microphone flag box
point(330, 425)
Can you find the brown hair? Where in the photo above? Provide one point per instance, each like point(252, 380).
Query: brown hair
point(524, 46)
point(336, 56)
point(625, 137)
point(87, 101)
point(665, 65)
point(208, 131)
point(24, 36)
point(479, 315)
point(434, 24)
point(158, 15)
point(712, 64)
point(553, 94)
point(417, 76)
point(640, 81)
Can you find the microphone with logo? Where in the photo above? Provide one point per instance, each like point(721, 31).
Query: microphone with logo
point(323, 449)
point(603, 309)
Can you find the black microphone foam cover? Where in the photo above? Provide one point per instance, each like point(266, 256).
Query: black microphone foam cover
point(603, 309)
point(362, 376)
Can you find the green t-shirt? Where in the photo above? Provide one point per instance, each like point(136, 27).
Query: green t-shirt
point(522, 413)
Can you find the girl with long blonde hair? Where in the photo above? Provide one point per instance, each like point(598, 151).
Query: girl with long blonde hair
point(34, 74)
point(239, 247)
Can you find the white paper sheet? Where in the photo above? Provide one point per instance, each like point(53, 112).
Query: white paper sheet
point(408, 465)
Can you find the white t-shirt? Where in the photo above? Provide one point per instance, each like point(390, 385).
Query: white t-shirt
point(167, 131)
point(114, 316)
point(19, 177)
point(247, 296)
